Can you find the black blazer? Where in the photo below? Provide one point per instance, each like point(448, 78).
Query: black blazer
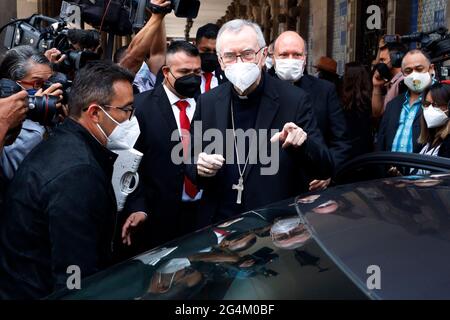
point(389, 125)
point(329, 115)
point(60, 210)
point(280, 103)
point(444, 150)
point(161, 181)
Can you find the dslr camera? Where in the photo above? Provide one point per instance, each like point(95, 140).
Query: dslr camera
point(40, 109)
point(44, 33)
point(435, 43)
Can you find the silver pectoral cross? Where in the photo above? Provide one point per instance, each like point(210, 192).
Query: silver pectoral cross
point(239, 187)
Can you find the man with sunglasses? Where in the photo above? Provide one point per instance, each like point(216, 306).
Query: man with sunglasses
point(60, 209)
point(168, 197)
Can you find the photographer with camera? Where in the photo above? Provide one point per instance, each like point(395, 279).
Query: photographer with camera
point(13, 110)
point(150, 38)
point(30, 70)
point(60, 208)
point(387, 76)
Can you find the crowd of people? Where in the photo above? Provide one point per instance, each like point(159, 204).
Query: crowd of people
point(58, 206)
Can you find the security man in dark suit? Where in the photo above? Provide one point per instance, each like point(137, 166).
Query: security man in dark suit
point(165, 193)
point(290, 58)
point(252, 100)
point(205, 40)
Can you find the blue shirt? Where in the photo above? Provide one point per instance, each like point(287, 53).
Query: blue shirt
point(145, 80)
point(30, 136)
point(403, 141)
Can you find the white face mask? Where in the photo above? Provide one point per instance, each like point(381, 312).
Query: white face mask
point(289, 69)
point(124, 136)
point(434, 117)
point(284, 226)
point(269, 63)
point(174, 265)
point(242, 74)
point(293, 230)
point(418, 81)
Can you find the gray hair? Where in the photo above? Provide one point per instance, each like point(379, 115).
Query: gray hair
point(236, 26)
point(17, 61)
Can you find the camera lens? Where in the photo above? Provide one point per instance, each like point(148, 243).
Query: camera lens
point(42, 109)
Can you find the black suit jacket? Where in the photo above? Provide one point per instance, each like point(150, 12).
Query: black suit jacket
point(280, 103)
point(389, 125)
point(329, 115)
point(444, 150)
point(161, 180)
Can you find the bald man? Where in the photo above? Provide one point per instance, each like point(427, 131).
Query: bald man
point(290, 58)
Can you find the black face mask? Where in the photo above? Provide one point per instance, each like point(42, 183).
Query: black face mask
point(209, 62)
point(187, 86)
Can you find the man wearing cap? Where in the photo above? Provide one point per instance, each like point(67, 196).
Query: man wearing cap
point(327, 70)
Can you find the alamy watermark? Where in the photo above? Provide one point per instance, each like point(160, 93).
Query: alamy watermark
point(73, 281)
point(252, 143)
point(374, 280)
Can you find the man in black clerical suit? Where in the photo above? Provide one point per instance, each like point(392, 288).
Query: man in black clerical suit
point(253, 100)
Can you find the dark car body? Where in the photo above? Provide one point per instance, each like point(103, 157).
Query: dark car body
point(386, 238)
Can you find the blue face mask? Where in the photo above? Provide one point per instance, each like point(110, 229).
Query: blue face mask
point(31, 92)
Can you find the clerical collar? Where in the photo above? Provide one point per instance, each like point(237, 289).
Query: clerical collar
point(255, 94)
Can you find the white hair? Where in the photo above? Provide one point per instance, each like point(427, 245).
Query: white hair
point(236, 26)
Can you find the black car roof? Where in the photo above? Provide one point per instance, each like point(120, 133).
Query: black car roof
point(398, 225)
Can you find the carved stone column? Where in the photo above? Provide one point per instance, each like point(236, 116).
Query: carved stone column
point(293, 15)
point(274, 12)
point(266, 20)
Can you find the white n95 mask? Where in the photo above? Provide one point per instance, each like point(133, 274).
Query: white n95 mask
point(434, 117)
point(124, 136)
point(242, 74)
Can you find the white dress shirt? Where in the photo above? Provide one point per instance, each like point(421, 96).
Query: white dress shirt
point(190, 110)
point(214, 82)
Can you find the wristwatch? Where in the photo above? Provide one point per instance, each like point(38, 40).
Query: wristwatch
point(159, 10)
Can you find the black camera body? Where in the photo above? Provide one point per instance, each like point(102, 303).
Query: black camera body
point(32, 32)
point(62, 79)
point(40, 109)
point(435, 43)
point(123, 17)
point(181, 8)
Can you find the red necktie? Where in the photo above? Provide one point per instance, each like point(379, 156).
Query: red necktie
point(185, 125)
point(208, 78)
point(222, 232)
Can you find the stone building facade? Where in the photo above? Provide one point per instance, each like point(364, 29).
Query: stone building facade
point(339, 28)
point(335, 28)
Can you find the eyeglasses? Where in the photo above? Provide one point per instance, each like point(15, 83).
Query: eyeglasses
point(128, 108)
point(246, 56)
point(426, 104)
point(37, 84)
